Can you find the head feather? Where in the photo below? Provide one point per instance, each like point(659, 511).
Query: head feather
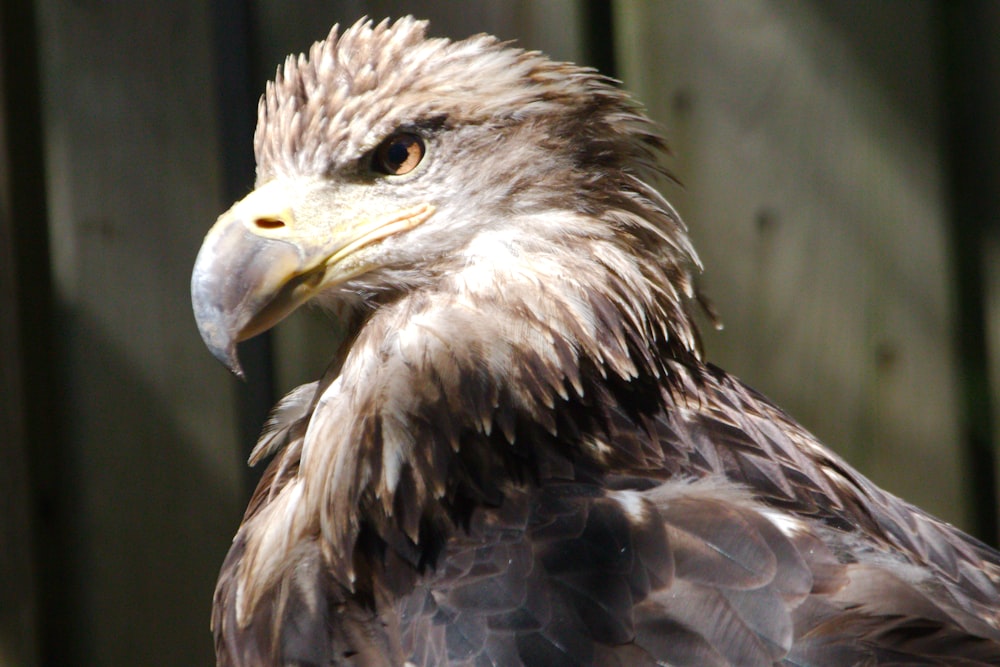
point(352, 88)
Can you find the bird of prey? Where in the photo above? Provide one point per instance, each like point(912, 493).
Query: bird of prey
point(519, 455)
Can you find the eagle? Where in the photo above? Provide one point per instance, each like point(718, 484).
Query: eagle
point(519, 454)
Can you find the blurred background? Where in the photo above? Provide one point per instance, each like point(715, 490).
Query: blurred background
point(840, 164)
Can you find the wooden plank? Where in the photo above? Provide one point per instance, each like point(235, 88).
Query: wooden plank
point(148, 415)
point(808, 141)
point(234, 40)
point(19, 598)
point(972, 137)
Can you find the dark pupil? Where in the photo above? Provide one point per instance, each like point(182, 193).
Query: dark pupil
point(398, 152)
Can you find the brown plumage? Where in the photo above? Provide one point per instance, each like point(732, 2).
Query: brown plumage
point(519, 456)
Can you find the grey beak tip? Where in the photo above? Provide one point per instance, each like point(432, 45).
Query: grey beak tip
point(230, 360)
point(224, 349)
point(214, 331)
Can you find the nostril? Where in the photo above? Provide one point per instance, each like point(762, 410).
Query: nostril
point(269, 223)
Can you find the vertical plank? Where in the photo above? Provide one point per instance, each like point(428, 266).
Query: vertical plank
point(971, 68)
point(132, 161)
point(29, 516)
point(234, 43)
point(18, 595)
point(808, 139)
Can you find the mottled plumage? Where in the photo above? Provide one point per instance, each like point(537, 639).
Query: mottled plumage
point(519, 456)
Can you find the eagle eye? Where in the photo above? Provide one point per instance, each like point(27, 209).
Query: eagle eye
point(398, 154)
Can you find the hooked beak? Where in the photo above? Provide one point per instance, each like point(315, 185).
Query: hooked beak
point(261, 261)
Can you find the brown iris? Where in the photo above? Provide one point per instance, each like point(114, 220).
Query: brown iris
point(399, 154)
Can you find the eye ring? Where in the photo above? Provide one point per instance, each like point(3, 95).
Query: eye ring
point(398, 154)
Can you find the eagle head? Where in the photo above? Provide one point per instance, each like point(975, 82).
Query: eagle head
point(387, 161)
